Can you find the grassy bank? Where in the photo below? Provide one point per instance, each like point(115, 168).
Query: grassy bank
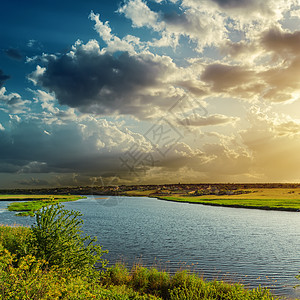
point(266, 204)
point(51, 260)
point(260, 198)
point(27, 205)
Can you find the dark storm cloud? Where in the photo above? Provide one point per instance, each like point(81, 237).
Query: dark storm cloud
point(282, 42)
point(224, 77)
point(282, 78)
point(102, 83)
point(13, 53)
point(9, 166)
point(18, 147)
point(234, 3)
point(27, 149)
point(277, 83)
point(33, 182)
point(3, 78)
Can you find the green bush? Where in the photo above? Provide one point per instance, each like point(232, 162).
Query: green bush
point(15, 239)
point(56, 238)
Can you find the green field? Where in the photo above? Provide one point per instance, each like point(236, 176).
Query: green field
point(260, 198)
point(271, 199)
point(27, 205)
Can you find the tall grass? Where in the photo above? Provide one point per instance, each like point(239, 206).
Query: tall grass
point(15, 239)
point(182, 285)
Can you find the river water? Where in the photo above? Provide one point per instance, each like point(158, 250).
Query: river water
point(246, 245)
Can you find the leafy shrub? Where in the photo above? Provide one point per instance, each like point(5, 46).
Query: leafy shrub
point(56, 238)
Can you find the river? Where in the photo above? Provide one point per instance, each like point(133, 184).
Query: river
point(246, 245)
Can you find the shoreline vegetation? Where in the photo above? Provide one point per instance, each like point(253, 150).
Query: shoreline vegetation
point(52, 260)
point(28, 205)
point(275, 204)
point(272, 196)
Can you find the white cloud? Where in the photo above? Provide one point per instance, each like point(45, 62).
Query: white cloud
point(140, 14)
point(203, 26)
point(13, 102)
point(39, 71)
point(15, 118)
point(207, 23)
point(295, 13)
point(114, 43)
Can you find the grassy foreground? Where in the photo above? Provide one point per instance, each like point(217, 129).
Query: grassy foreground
point(51, 260)
point(29, 204)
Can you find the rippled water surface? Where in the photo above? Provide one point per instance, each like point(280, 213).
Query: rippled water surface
point(247, 245)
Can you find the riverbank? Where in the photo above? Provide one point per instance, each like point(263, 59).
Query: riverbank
point(279, 199)
point(282, 197)
point(27, 205)
point(270, 204)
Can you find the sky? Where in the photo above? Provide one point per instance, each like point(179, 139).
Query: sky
point(149, 92)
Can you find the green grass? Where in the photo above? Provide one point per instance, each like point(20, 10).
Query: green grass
point(261, 198)
point(14, 238)
point(274, 204)
point(28, 208)
point(182, 285)
point(33, 197)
